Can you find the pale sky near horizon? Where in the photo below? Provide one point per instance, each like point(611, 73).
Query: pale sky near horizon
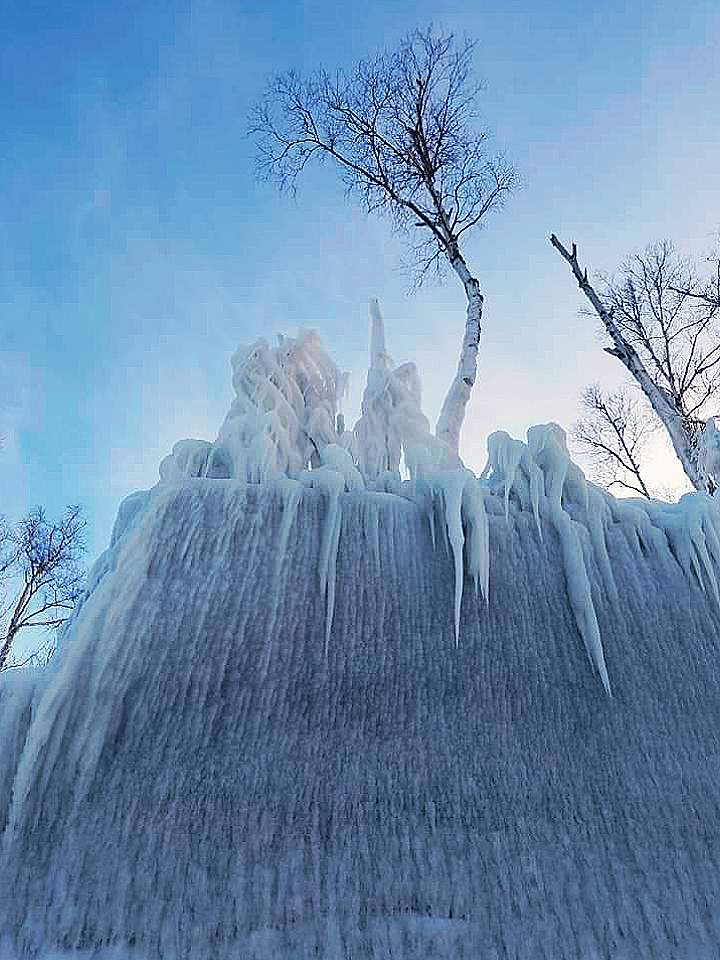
point(137, 249)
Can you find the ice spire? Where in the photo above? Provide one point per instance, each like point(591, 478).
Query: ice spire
point(379, 358)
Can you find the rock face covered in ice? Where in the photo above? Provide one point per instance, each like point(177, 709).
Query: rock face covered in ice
point(335, 714)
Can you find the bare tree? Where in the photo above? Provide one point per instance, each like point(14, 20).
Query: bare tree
point(663, 328)
point(399, 131)
point(612, 433)
point(706, 294)
point(44, 560)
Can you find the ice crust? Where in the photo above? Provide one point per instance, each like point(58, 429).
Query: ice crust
point(280, 724)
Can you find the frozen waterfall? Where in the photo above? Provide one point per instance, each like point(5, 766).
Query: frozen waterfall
point(309, 707)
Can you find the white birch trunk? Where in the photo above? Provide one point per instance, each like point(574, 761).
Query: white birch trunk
point(626, 353)
point(452, 414)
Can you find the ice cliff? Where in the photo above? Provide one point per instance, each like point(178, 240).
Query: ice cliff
point(330, 695)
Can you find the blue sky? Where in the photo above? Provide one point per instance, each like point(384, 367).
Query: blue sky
point(137, 250)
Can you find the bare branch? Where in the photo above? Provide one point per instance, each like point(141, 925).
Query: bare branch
point(46, 558)
point(612, 433)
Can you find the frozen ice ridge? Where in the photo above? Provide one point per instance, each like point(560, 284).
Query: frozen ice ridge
point(285, 422)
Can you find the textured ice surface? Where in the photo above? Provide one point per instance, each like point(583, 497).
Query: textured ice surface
point(306, 708)
point(207, 777)
point(18, 696)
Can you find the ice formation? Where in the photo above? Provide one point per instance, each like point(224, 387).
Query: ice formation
point(285, 410)
point(544, 478)
point(284, 422)
point(259, 739)
point(392, 422)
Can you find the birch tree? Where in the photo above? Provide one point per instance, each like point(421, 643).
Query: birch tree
point(400, 131)
point(43, 561)
point(662, 324)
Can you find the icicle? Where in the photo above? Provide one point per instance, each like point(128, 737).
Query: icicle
point(291, 492)
point(692, 529)
point(333, 484)
point(458, 495)
point(478, 539)
point(452, 491)
point(541, 474)
point(579, 591)
point(504, 455)
point(371, 528)
point(512, 466)
point(599, 516)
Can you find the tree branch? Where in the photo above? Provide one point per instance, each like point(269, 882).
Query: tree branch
point(663, 402)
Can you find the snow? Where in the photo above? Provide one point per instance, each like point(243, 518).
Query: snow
point(282, 724)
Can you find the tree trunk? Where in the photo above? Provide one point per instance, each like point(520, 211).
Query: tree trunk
point(5, 648)
point(626, 353)
point(452, 414)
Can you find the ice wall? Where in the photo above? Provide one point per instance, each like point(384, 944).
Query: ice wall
point(214, 774)
point(306, 708)
point(19, 692)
